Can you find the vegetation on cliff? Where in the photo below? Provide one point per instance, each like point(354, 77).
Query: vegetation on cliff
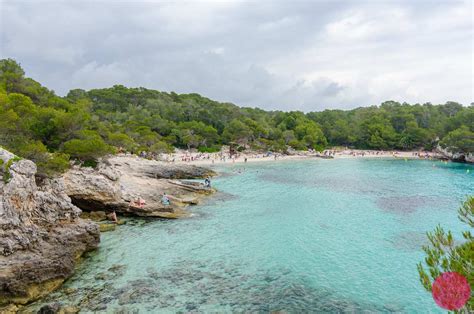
point(445, 254)
point(48, 129)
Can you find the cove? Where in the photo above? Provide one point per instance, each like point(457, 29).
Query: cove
point(298, 236)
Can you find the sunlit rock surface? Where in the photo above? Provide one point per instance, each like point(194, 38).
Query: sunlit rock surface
point(120, 183)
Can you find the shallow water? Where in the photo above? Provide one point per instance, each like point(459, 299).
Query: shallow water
point(314, 236)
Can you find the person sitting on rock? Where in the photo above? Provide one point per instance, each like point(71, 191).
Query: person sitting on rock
point(207, 182)
point(165, 200)
point(113, 216)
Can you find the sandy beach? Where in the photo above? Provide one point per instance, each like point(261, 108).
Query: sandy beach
point(220, 158)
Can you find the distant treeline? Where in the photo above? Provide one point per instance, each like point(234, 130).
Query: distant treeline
point(39, 125)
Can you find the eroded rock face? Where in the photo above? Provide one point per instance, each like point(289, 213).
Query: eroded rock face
point(41, 234)
point(119, 182)
point(92, 189)
point(462, 157)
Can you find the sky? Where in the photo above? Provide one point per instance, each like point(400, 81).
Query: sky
point(286, 55)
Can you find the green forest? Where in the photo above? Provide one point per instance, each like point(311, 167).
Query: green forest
point(51, 130)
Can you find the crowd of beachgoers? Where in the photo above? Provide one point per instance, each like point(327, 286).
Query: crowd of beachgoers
point(225, 157)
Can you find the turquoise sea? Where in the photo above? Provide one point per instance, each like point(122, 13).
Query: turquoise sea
point(340, 235)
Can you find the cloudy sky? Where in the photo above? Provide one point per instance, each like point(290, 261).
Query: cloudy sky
point(305, 55)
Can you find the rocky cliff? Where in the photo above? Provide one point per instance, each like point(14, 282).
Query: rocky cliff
point(41, 234)
point(132, 185)
point(455, 156)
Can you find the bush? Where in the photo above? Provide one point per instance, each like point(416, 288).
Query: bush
point(444, 254)
point(89, 163)
point(459, 141)
point(90, 147)
point(6, 168)
point(48, 164)
point(212, 149)
point(121, 140)
point(57, 163)
point(161, 147)
point(297, 145)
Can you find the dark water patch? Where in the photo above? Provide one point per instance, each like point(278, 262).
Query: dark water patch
point(226, 173)
point(409, 241)
point(200, 287)
point(279, 178)
point(347, 184)
point(343, 184)
point(219, 197)
point(409, 204)
point(144, 221)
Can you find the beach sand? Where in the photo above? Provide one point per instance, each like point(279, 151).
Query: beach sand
point(207, 159)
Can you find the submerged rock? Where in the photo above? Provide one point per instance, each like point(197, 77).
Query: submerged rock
point(95, 215)
point(41, 234)
point(133, 185)
point(50, 309)
point(106, 227)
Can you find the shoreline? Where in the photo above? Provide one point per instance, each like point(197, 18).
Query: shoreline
point(212, 159)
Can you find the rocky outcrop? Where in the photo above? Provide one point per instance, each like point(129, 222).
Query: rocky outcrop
point(132, 185)
point(455, 156)
point(41, 234)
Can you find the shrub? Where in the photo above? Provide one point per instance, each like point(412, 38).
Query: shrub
point(444, 255)
point(57, 163)
point(161, 147)
point(212, 149)
point(90, 147)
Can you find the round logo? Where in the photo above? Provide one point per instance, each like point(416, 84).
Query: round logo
point(451, 291)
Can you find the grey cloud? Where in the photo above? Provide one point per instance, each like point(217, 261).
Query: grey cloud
point(293, 55)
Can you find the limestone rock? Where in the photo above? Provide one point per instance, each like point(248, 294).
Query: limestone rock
point(93, 189)
point(41, 235)
point(132, 185)
point(142, 167)
point(455, 156)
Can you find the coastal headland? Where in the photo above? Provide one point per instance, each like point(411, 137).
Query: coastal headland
point(42, 234)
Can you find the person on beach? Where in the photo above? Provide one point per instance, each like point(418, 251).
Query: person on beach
point(207, 182)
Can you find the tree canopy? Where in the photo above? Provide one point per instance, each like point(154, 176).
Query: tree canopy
point(84, 125)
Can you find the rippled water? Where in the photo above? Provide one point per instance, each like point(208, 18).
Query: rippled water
point(316, 236)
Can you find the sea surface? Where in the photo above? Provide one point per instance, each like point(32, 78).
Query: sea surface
point(340, 235)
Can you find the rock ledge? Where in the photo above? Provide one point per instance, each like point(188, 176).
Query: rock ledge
point(120, 183)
